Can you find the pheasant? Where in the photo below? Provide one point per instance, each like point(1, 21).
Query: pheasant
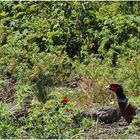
point(127, 110)
point(63, 103)
point(65, 100)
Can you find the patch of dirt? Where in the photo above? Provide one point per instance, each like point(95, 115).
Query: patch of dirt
point(110, 126)
point(104, 130)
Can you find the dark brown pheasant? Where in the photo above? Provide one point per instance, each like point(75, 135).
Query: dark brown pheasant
point(128, 110)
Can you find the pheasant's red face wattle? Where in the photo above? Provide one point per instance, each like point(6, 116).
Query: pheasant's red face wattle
point(112, 87)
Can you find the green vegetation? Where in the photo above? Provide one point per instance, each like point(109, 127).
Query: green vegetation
point(45, 45)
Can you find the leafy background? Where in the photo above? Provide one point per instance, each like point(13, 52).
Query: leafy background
point(45, 45)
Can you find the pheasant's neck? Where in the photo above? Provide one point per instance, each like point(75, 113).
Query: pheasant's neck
point(122, 98)
point(123, 103)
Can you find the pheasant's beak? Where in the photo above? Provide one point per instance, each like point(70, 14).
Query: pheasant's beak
point(108, 87)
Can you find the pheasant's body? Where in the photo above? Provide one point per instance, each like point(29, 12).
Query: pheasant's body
point(128, 110)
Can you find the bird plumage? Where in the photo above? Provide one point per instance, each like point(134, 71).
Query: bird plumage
point(128, 110)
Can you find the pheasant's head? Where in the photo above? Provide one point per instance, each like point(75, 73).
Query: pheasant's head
point(114, 87)
point(65, 100)
point(118, 90)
